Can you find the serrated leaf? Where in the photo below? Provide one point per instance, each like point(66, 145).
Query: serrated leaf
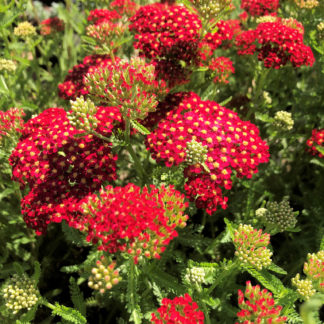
point(69, 314)
point(140, 128)
point(273, 267)
point(77, 297)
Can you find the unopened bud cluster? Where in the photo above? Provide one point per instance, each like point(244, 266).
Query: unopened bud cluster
point(304, 287)
point(7, 65)
point(267, 18)
point(195, 275)
point(307, 4)
point(251, 246)
point(280, 215)
point(130, 86)
point(19, 293)
point(283, 121)
point(211, 9)
point(314, 269)
point(25, 29)
point(196, 152)
point(104, 276)
point(320, 30)
point(82, 114)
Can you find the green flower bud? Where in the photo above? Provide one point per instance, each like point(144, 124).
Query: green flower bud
point(104, 276)
point(283, 121)
point(304, 287)
point(20, 292)
point(195, 275)
point(281, 215)
point(7, 65)
point(196, 153)
point(25, 29)
point(251, 246)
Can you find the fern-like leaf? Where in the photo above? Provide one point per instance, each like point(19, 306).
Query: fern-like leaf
point(77, 297)
point(69, 314)
point(73, 235)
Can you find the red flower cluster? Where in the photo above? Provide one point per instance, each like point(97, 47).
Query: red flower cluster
point(73, 85)
point(167, 34)
point(276, 45)
point(51, 25)
point(258, 307)
point(230, 142)
point(98, 16)
point(60, 169)
point(317, 139)
point(11, 122)
point(124, 7)
point(222, 68)
point(131, 220)
point(178, 310)
point(260, 7)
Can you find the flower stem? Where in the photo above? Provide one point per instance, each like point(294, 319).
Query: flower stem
point(228, 271)
point(132, 293)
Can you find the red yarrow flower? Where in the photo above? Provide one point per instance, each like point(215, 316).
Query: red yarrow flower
point(59, 168)
point(260, 7)
point(231, 144)
point(276, 44)
point(124, 7)
point(258, 306)
point(180, 310)
point(139, 222)
point(222, 68)
point(98, 16)
point(316, 141)
point(51, 25)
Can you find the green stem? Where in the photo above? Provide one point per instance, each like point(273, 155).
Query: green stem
point(204, 307)
point(132, 292)
point(262, 76)
point(228, 271)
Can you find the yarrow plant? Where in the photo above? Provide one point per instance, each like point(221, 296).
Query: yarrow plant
point(147, 153)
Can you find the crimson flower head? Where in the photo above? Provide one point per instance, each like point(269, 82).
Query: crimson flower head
point(178, 310)
point(51, 25)
point(276, 43)
point(258, 306)
point(97, 16)
point(222, 68)
point(59, 168)
point(260, 7)
point(316, 141)
point(124, 7)
point(167, 34)
point(73, 85)
point(139, 222)
point(229, 143)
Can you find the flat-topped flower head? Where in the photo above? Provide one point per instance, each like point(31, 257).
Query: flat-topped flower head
point(316, 140)
point(60, 168)
point(260, 7)
point(20, 292)
point(25, 29)
point(7, 65)
point(128, 219)
point(251, 246)
point(178, 310)
point(258, 306)
point(307, 4)
point(276, 43)
point(283, 121)
point(222, 68)
point(185, 121)
point(104, 275)
point(51, 26)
